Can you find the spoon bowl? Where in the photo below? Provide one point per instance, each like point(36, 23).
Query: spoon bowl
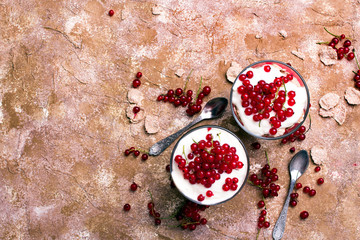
point(297, 166)
point(212, 109)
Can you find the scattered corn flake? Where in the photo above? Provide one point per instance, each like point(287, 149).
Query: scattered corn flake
point(152, 124)
point(328, 56)
point(318, 155)
point(340, 114)
point(233, 72)
point(135, 96)
point(179, 72)
point(352, 96)
point(329, 100)
point(326, 113)
point(298, 54)
point(134, 118)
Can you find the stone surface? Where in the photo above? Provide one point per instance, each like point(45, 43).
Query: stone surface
point(328, 56)
point(66, 68)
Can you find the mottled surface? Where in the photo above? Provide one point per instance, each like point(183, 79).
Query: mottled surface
point(66, 67)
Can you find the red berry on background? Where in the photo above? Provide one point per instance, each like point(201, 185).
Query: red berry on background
point(127, 207)
point(261, 204)
point(357, 84)
point(256, 145)
point(298, 185)
point(150, 205)
point(346, 50)
point(136, 153)
point(350, 56)
point(127, 152)
point(157, 221)
point(317, 169)
point(133, 187)
point(312, 192)
point(160, 98)
point(347, 43)
point(293, 203)
point(144, 157)
point(139, 75)
point(209, 193)
point(206, 90)
point(320, 181)
point(356, 77)
point(111, 13)
point(167, 168)
point(263, 212)
point(340, 56)
point(136, 109)
point(331, 44)
point(306, 189)
point(342, 36)
point(203, 221)
point(292, 150)
point(335, 40)
point(136, 83)
point(272, 131)
point(266, 224)
point(304, 214)
point(267, 68)
point(178, 91)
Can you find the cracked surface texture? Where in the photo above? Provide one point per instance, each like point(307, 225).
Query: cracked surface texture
point(66, 68)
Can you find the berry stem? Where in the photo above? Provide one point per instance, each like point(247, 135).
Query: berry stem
point(185, 154)
point(357, 63)
point(309, 124)
point(198, 91)
point(187, 79)
point(267, 157)
point(258, 233)
point(331, 33)
point(323, 43)
point(151, 196)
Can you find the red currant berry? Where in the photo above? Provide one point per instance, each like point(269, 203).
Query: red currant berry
point(272, 131)
point(317, 168)
point(136, 153)
point(350, 56)
point(266, 224)
point(261, 204)
point(263, 213)
point(203, 221)
point(298, 185)
point(127, 207)
point(306, 189)
point(320, 181)
point(267, 68)
point(293, 203)
point(136, 83)
point(133, 187)
point(206, 90)
point(304, 214)
point(144, 157)
point(139, 75)
point(178, 91)
point(201, 198)
point(157, 221)
point(111, 13)
point(249, 74)
point(256, 145)
point(347, 43)
point(312, 192)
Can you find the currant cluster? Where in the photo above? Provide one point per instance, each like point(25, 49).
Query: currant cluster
point(230, 184)
point(307, 190)
point(154, 213)
point(185, 98)
point(263, 98)
point(297, 135)
point(136, 153)
point(136, 83)
point(343, 51)
point(261, 221)
point(189, 215)
point(266, 181)
point(206, 161)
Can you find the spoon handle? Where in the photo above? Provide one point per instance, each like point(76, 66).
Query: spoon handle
point(280, 223)
point(160, 146)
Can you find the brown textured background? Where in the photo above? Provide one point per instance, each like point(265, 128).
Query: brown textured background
point(65, 69)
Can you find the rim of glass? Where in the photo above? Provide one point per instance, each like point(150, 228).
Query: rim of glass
point(296, 127)
point(242, 144)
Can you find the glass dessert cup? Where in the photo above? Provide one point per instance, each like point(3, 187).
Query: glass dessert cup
point(201, 184)
point(273, 108)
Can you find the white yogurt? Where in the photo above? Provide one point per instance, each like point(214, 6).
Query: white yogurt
point(192, 191)
point(268, 77)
